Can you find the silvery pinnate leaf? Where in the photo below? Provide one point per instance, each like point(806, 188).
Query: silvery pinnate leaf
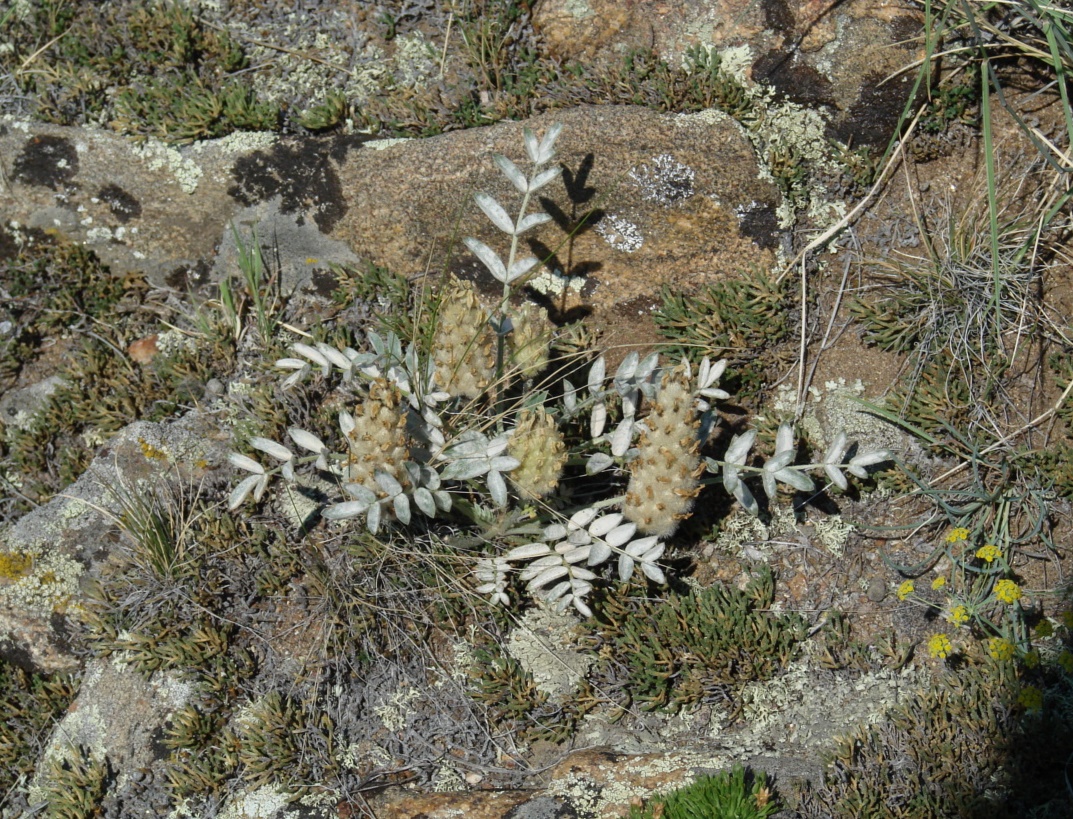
point(776, 462)
point(598, 462)
point(628, 368)
point(834, 474)
point(577, 555)
point(604, 524)
point(547, 576)
point(494, 211)
point(578, 537)
point(597, 372)
point(402, 508)
point(654, 573)
point(857, 465)
point(497, 488)
point(620, 440)
point(745, 498)
point(425, 502)
point(334, 356)
point(345, 510)
point(543, 151)
point(556, 531)
point(599, 553)
point(287, 471)
point(314, 355)
point(292, 364)
point(361, 493)
point(504, 463)
point(346, 422)
point(388, 482)
point(795, 478)
point(558, 596)
point(510, 170)
point(569, 395)
point(579, 604)
point(620, 534)
point(730, 478)
point(245, 462)
point(443, 500)
point(836, 450)
point(270, 447)
point(521, 267)
point(582, 518)
point(372, 518)
point(543, 178)
point(306, 440)
point(301, 370)
point(239, 493)
point(784, 439)
point(488, 256)
point(466, 469)
point(739, 447)
point(597, 419)
point(836, 477)
point(531, 221)
point(528, 551)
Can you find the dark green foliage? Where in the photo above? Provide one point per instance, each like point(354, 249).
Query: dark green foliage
point(840, 649)
point(726, 795)
point(694, 647)
point(150, 69)
point(744, 319)
point(75, 784)
point(61, 289)
point(515, 704)
point(32, 704)
point(326, 115)
point(963, 747)
point(956, 99)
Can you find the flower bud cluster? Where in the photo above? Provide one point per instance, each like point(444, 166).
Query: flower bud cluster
point(462, 345)
point(530, 339)
point(539, 447)
point(376, 436)
point(664, 476)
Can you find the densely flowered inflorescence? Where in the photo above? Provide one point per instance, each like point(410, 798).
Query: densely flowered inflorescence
point(476, 429)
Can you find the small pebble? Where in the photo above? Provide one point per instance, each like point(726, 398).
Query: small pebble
point(877, 589)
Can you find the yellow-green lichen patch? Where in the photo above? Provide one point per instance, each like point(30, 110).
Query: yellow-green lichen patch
point(47, 586)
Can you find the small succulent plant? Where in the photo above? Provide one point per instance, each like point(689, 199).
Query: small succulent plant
point(479, 427)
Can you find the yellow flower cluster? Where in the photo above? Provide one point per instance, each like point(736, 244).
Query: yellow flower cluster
point(989, 553)
point(1031, 698)
point(959, 615)
point(1044, 629)
point(1000, 648)
point(1065, 659)
point(905, 589)
point(939, 646)
point(938, 582)
point(957, 535)
point(1007, 591)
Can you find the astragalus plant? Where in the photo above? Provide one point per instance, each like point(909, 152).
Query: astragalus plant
point(563, 468)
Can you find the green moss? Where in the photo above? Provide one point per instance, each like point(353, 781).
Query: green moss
point(964, 747)
point(74, 785)
point(147, 69)
point(31, 704)
point(744, 319)
point(689, 648)
point(729, 794)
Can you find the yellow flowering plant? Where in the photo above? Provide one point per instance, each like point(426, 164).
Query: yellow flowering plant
point(978, 593)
